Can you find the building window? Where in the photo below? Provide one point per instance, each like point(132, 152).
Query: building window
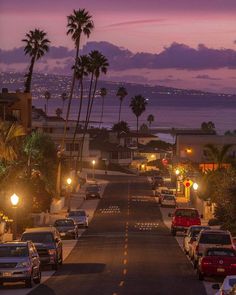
point(16, 114)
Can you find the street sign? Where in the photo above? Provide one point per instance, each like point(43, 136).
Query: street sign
point(187, 182)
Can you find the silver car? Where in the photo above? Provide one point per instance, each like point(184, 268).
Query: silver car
point(19, 261)
point(80, 217)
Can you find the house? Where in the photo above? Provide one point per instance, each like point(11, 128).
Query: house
point(54, 127)
point(16, 106)
point(191, 147)
point(129, 139)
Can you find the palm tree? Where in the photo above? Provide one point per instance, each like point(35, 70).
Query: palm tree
point(98, 64)
point(218, 155)
point(103, 93)
point(47, 96)
point(150, 119)
point(36, 46)
point(121, 93)
point(9, 140)
point(64, 98)
point(58, 112)
point(138, 105)
point(78, 23)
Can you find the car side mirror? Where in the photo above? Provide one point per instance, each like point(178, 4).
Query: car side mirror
point(170, 215)
point(215, 286)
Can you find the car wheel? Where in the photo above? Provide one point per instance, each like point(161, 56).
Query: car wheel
point(173, 232)
point(29, 282)
point(38, 279)
point(200, 276)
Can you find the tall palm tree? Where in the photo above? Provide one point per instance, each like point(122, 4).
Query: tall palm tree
point(138, 105)
point(150, 119)
point(80, 22)
point(121, 93)
point(36, 46)
point(81, 72)
point(9, 140)
point(98, 64)
point(47, 96)
point(216, 154)
point(64, 98)
point(103, 93)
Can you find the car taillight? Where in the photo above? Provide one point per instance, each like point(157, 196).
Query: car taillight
point(233, 264)
point(206, 263)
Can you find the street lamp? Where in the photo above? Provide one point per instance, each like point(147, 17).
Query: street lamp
point(195, 186)
point(14, 201)
point(69, 181)
point(93, 162)
point(177, 172)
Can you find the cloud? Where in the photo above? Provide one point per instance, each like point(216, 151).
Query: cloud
point(206, 77)
point(136, 22)
point(177, 56)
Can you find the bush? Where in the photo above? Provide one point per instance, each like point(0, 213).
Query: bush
point(213, 222)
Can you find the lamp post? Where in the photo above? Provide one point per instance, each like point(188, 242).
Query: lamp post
point(14, 201)
point(93, 162)
point(177, 172)
point(68, 181)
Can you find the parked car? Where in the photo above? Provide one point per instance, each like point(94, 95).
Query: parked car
point(168, 201)
point(191, 237)
point(209, 239)
point(228, 283)
point(80, 217)
point(67, 228)
point(157, 181)
point(92, 191)
point(19, 261)
point(48, 243)
point(217, 262)
point(183, 218)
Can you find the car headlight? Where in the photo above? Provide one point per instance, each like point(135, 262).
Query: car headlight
point(23, 264)
point(52, 251)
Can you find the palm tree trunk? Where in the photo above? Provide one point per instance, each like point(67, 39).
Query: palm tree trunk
point(94, 92)
point(101, 118)
point(137, 130)
point(119, 110)
point(77, 123)
point(80, 152)
point(29, 75)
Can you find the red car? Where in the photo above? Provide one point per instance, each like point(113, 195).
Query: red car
point(217, 262)
point(183, 218)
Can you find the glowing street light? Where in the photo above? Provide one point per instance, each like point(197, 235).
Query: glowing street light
point(68, 181)
point(195, 186)
point(14, 201)
point(93, 162)
point(177, 172)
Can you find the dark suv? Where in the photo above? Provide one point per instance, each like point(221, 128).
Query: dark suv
point(48, 244)
point(92, 191)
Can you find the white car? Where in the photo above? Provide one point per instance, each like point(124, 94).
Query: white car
point(168, 201)
point(80, 217)
point(226, 287)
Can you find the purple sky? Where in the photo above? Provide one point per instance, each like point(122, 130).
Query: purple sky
point(139, 26)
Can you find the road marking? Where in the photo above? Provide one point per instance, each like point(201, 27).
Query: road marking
point(126, 246)
point(125, 271)
point(126, 240)
point(114, 294)
point(126, 234)
point(125, 261)
point(125, 253)
point(121, 284)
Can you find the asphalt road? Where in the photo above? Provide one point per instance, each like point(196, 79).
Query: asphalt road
point(127, 250)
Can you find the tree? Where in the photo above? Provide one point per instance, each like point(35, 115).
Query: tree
point(144, 128)
point(36, 46)
point(103, 93)
point(122, 126)
point(150, 119)
point(79, 23)
point(98, 64)
point(10, 135)
point(47, 96)
point(138, 105)
point(121, 93)
point(208, 126)
point(58, 112)
point(217, 155)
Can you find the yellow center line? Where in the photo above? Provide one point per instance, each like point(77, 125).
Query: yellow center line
point(125, 253)
point(126, 234)
point(121, 283)
point(125, 261)
point(125, 271)
point(126, 246)
point(126, 240)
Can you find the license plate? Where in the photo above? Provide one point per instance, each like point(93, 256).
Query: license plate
point(6, 274)
point(220, 270)
point(62, 234)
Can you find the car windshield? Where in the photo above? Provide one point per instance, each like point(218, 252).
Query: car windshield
point(187, 213)
point(76, 213)
point(92, 188)
point(14, 251)
point(43, 237)
point(221, 252)
point(195, 231)
point(169, 198)
point(220, 239)
point(64, 222)
point(232, 282)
